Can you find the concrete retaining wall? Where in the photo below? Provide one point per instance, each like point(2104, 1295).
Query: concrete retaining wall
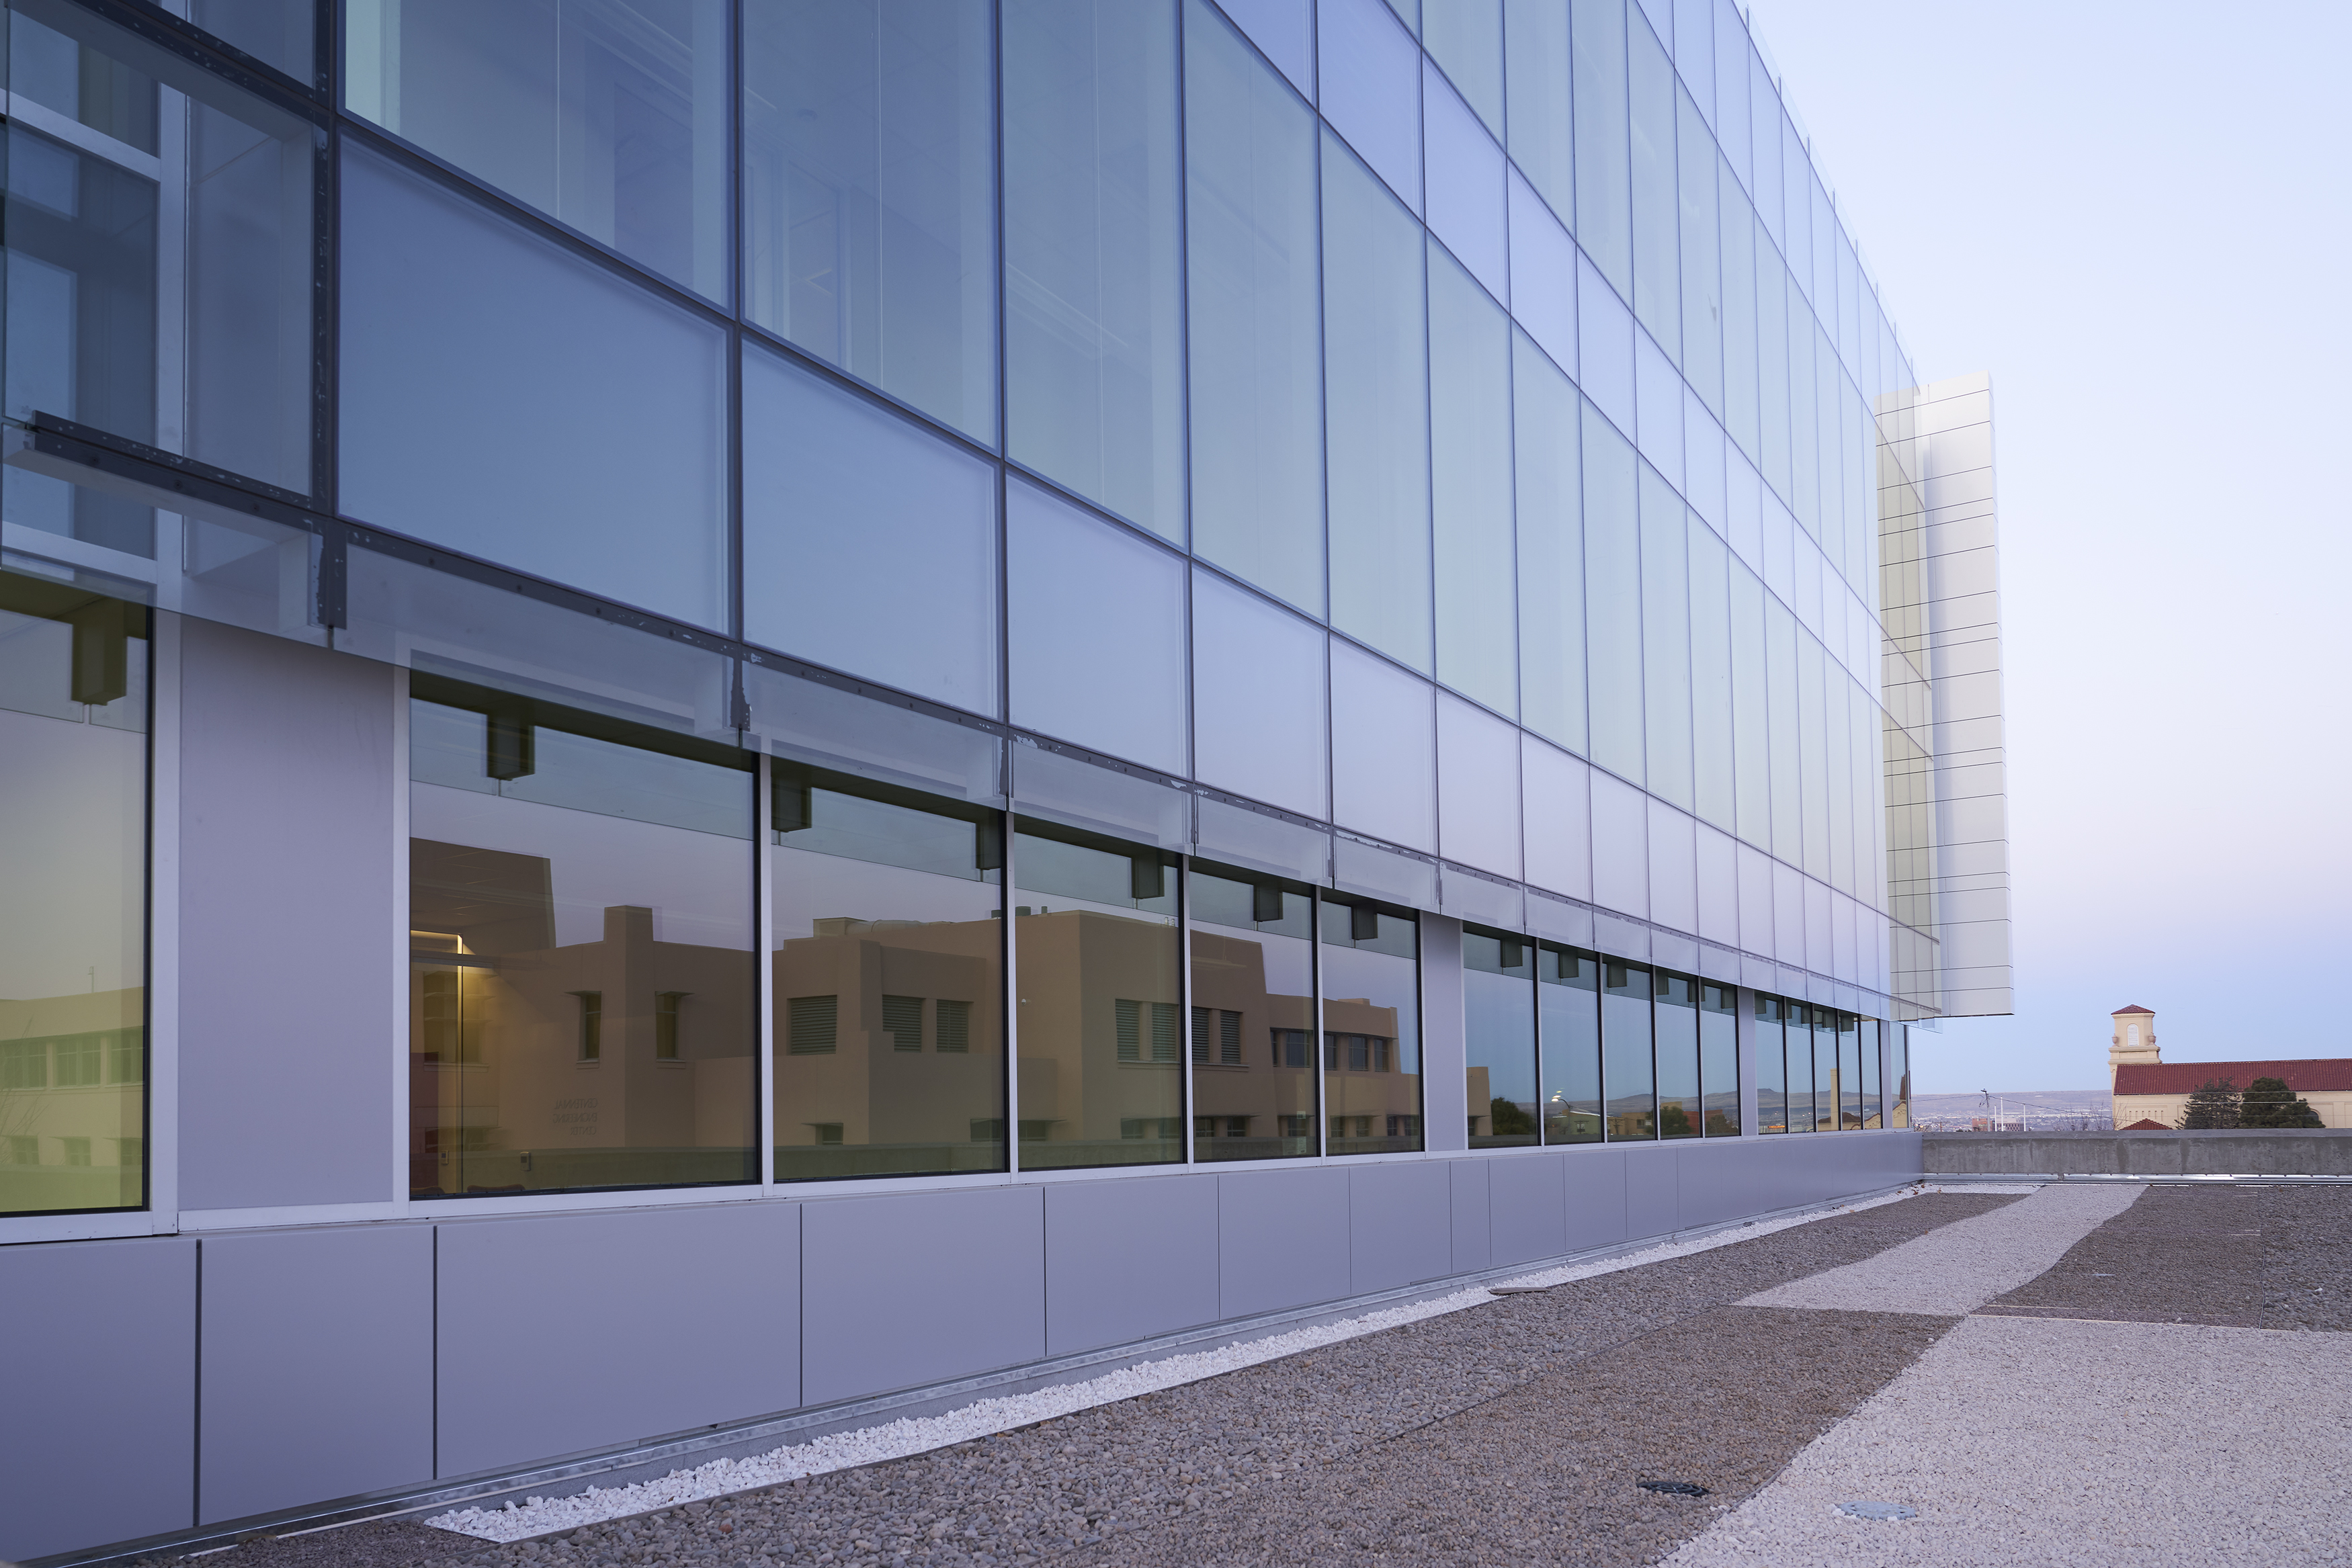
point(2297, 1151)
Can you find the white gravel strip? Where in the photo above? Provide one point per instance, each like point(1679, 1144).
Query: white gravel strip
point(1954, 1269)
point(916, 1435)
point(2056, 1441)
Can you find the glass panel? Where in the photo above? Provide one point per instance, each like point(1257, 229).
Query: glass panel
point(1376, 369)
point(1550, 564)
point(1713, 762)
point(1740, 416)
point(1604, 197)
point(1680, 1115)
point(889, 954)
point(1098, 621)
point(1781, 667)
point(1902, 1069)
point(1101, 988)
point(1256, 331)
point(1812, 758)
point(869, 195)
point(1369, 81)
point(467, 342)
point(1657, 270)
point(1542, 132)
point(1253, 1026)
point(1719, 1057)
point(1826, 1080)
point(1797, 1020)
point(1873, 1109)
point(1665, 639)
point(1849, 1055)
point(1465, 38)
point(158, 265)
point(1772, 1069)
point(1612, 596)
point(1371, 1028)
point(1462, 178)
point(1628, 1070)
point(1470, 475)
point(1570, 1003)
point(1499, 1023)
point(276, 32)
point(1702, 278)
point(869, 544)
point(1094, 356)
point(608, 115)
point(1384, 749)
point(73, 858)
point(1258, 698)
point(582, 999)
point(1752, 750)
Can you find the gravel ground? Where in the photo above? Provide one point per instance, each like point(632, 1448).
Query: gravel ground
point(2107, 1445)
point(1956, 1270)
point(2179, 1255)
point(2307, 1258)
point(1148, 1462)
point(1551, 1470)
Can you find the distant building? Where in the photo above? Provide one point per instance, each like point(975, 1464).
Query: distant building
point(2151, 1092)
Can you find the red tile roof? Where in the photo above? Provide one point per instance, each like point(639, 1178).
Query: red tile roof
point(2185, 1077)
point(2134, 1009)
point(2145, 1125)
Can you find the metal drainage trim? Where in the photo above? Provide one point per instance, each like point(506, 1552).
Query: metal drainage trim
point(1883, 1511)
point(1674, 1488)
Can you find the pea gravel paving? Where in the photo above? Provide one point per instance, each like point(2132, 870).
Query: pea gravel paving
point(1144, 1464)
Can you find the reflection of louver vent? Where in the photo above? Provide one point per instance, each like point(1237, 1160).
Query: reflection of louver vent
point(1229, 1038)
point(812, 1024)
point(1164, 1044)
point(1166, 1034)
point(902, 1020)
point(954, 1028)
point(1201, 1021)
point(1130, 1030)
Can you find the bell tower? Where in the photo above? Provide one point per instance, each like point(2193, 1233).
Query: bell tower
point(2134, 1041)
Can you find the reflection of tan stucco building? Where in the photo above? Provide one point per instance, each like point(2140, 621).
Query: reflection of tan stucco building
point(72, 1075)
point(2149, 1089)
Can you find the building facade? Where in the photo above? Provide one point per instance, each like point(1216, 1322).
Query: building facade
point(678, 678)
point(2150, 1090)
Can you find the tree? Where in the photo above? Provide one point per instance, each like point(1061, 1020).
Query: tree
point(2212, 1105)
point(2269, 1103)
point(1510, 1117)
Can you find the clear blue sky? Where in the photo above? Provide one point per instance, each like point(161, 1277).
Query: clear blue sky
point(2136, 217)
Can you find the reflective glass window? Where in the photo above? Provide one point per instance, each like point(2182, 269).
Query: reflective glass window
point(1470, 486)
point(1772, 1068)
point(869, 195)
point(1750, 734)
point(1604, 196)
point(1101, 1069)
point(467, 340)
point(1899, 1052)
point(1543, 274)
point(583, 1006)
point(276, 32)
point(1812, 768)
point(1737, 235)
point(1499, 1038)
point(1873, 1109)
point(158, 265)
point(1550, 567)
point(1284, 30)
point(1370, 80)
point(608, 115)
point(1478, 787)
point(1097, 630)
point(1612, 596)
point(1465, 38)
point(1772, 367)
point(1628, 1070)
point(1568, 988)
point(1466, 185)
point(1799, 1027)
point(1665, 639)
point(1780, 638)
point(73, 858)
point(1681, 1113)
point(1371, 1028)
point(1258, 698)
point(887, 947)
point(1252, 1024)
point(1719, 1057)
point(1093, 258)
point(1702, 279)
point(1256, 323)
point(1714, 762)
point(1384, 749)
point(1376, 369)
point(1657, 268)
point(869, 543)
point(1849, 1056)
point(1542, 128)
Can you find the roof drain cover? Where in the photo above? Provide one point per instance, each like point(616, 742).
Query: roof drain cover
point(1878, 1511)
point(1674, 1488)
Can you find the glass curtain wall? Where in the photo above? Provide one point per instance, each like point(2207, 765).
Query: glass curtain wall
point(1371, 1027)
point(1772, 1091)
point(1798, 1024)
point(1719, 1057)
point(1252, 1024)
point(1675, 1019)
point(1101, 993)
point(887, 947)
point(582, 1002)
point(1899, 1064)
point(73, 862)
point(1569, 1016)
point(1628, 1070)
point(1873, 1108)
point(1849, 1051)
point(1498, 1006)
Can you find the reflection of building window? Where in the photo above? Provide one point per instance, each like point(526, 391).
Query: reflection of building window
point(591, 1024)
point(1170, 1127)
point(1131, 1018)
point(1217, 1036)
point(78, 1060)
point(128, 1058)
point(902, 1020)
point(1405, 1126)
point(1356, 1126)
point(828, 1134)
point(988, 1129)
point(1229, 1040)
point(953, 1027)
point(1297, 1127)
point(1035, 1132)
point(1380, 1052)
point(666, 1004)
point(131, 1153)
point(812, 1024)
point(1290, 1051)
point(21, 1151)
point(25, 1064)
point(77, 1151)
